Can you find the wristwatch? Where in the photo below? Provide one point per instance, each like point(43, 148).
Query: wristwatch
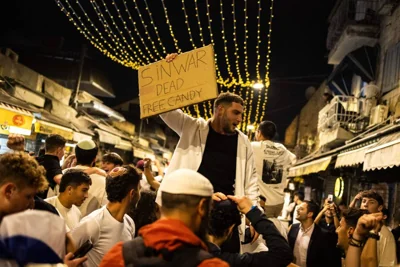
point(373, 234)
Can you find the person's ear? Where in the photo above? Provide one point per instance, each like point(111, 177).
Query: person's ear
point(380, 208)
point(350, 232)
point(9, 188)
point(202, 208)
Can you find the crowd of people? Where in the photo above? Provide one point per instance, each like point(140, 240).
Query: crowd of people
point(216, 205)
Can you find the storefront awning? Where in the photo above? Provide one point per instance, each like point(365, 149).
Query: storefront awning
point(124, 145)
point(310, 167)
point(108, 138)
point(352, 158)
point(140, 153)
point(80, 137)
point(15, 120)
point(385, 154)
point(49, 128)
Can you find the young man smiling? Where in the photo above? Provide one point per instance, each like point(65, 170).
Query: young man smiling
point(215, 148)
point(74, 189)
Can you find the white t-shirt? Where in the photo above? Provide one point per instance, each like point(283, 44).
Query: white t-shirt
point(386, 248)
point(97, 193)
point(272, 161)
point(104, 231)
point(71, 216)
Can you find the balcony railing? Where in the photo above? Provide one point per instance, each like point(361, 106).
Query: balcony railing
point(347, 112)
point(351, 12)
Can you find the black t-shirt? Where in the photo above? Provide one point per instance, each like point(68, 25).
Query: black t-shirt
point(219, 161)
point(328, 227)
point(52, 165)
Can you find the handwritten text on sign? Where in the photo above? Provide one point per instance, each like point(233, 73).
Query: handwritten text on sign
point(187, 80)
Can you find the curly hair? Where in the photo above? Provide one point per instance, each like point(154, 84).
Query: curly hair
point(223, 215)
point(145, 211)
point(23, 170)
point(117, 187)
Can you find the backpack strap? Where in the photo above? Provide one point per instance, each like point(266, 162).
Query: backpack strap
point(189, 256)
point(136, 254)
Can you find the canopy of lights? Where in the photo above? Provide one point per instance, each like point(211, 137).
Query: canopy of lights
point(135, 33)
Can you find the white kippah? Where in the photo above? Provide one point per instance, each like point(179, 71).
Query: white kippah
point(187, 182)
point(86, 144)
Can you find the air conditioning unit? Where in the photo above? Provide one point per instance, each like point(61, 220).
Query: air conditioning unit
point(378, 114)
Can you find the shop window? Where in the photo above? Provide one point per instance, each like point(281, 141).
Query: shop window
point(391, 70)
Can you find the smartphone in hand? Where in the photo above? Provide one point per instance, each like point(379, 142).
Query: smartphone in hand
point(83, 250)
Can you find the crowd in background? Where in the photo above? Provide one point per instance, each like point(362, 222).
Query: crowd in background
point(218, 205)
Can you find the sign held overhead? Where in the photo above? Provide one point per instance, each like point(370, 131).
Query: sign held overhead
point(189, 79)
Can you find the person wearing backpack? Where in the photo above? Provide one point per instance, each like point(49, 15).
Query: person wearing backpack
point(179, 237)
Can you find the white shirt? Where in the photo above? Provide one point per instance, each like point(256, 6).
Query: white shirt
point(71, 216)
point(144, 184)
point(104, 231)
point(272, 161)
point(301, 245)
point(386, 248)
point(97, 196)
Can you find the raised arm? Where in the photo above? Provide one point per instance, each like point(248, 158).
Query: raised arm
point(176, 120)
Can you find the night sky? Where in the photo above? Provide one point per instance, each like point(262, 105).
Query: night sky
point(298, 44)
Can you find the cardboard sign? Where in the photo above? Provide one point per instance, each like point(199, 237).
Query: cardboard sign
point(189, 79)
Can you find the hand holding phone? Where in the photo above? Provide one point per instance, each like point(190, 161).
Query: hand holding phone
point(83, 250)
point(330, 198)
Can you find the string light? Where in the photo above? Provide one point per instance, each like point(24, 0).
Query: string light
point(175, 41)
point(267, 80)
point(220, 79)
point(141, 61)
point(258, 59)
point(245, 113)
point(119, 31)
point(196, 106)
point(204, 104)
point(228, 66)
point(250, 106)
point(108, 29)
point(117, 57)
point(112, 40)
point(146, 30)
point(148, 60)
point(155, 28)
point(246, 36)
point(236, 53)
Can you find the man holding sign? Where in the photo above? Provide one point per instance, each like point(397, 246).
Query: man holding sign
point(216, 149)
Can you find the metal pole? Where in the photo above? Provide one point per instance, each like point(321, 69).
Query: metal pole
point(78, 81)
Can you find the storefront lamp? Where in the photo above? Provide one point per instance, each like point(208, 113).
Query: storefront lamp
point(339, 187)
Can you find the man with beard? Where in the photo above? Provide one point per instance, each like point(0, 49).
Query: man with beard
point(74, 189)
point(216, 149)
point(179, 237)
point(110, 224)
